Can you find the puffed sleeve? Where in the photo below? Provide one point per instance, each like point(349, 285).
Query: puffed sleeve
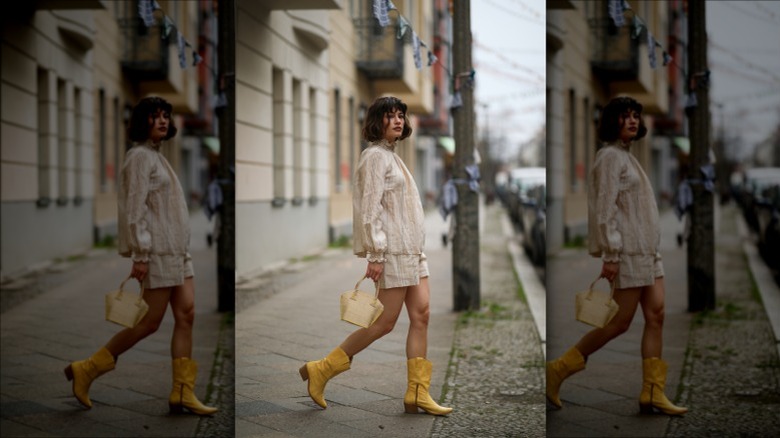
point(136, 178)
point(371, 176)
point(606, 184)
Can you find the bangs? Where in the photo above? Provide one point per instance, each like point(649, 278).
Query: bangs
point(391, 104)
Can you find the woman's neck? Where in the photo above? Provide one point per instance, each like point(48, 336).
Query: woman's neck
point(387, 143)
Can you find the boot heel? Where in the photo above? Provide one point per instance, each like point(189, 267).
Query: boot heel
point(69, 372)
point(410, 409)
point(304, 372)
point(176, 409)
point(645, 409)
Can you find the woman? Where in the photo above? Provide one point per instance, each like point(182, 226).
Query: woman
point(388, 230)
point(154, 232)
point(624, 231)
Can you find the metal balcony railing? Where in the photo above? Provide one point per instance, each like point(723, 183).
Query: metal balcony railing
point(144, 50)
point(380, 54)
point(615, 55)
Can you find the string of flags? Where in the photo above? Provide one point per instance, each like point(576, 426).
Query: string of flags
point(616, 9)
point(146, 10)
point(382, 9)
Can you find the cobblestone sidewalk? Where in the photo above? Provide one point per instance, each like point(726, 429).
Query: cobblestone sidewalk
point(495, 377)
point(731, 377)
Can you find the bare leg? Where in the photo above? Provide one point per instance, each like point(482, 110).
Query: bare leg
point(183, 306)
point(125, 339)
point(392, 299)
point(652, 301)
point(417, 301)
point(627, 299)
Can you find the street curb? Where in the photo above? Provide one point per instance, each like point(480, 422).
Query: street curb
point(535, 291)
point(765, 283)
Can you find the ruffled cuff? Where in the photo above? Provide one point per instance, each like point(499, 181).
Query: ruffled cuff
point(375, 257)
point(613, 257)
point(141, 258)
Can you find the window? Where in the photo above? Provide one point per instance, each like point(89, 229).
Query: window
point(279, 138)
point(572, 140)
point(46, 137)
point(352, 123)
point(298, 142)
point(337, 137)
point(313, 136)
point(586, 137)
point(102, 140)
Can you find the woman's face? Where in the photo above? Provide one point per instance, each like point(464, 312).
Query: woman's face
point(159, 121)
point(629, 125)
point(393, 125)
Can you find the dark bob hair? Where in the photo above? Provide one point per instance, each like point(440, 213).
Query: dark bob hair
point(374, 126)
point(138, 130)
point(609, 128)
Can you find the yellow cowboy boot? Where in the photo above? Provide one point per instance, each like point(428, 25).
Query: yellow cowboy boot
point(318, 373)
point(559, 370)
point(83, 372)
point(653, 382)
point(419, 372)
point(183, 393)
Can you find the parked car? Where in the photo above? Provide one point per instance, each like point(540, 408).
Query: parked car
point(534, 222)
point(760, 201)
point(520, 181)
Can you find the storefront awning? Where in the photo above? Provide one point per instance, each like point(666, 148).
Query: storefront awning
point(448, 143)
point(684, 143)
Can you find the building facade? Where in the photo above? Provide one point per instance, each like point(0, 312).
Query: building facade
point(69, 80)
point(306, 73)
point(590, 61)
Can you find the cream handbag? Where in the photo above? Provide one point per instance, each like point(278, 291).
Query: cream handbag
point(595, 308)
point(126, 308)
point(359, 307)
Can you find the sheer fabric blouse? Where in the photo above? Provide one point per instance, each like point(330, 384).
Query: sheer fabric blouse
point(153, 216)
point(387, 213)
point(622, 212)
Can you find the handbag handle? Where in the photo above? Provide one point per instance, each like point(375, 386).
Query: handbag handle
point(611, 283)
point(357, 286)
point(122, 288)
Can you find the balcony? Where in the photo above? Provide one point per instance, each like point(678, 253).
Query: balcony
point(145, 53)
point(615, 55)
point(379, 54)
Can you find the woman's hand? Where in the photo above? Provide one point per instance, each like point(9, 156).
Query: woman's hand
point(374, 271)
point(610, 270)
point(139, 270)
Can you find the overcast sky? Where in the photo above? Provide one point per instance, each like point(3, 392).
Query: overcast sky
point(744, 59)
point(509, 58)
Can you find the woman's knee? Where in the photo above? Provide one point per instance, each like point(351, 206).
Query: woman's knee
point(382, 328)
point(655, 317)
point(420, 317)
point(184, 316)
point(618, 327)
point(148, 327)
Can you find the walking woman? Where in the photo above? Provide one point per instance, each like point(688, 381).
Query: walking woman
point(154, 232)
point(388, 230)
point(623, 230)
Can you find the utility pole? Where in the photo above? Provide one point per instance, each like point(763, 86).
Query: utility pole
point(465, 245)
point(226, 243)
point(701, 244)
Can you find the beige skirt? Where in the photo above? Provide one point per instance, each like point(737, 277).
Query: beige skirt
point(168, 270)
point(638, 270)
point(402, 270)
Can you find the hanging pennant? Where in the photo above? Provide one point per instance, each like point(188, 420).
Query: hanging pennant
point(667, 58)
point(651, 49)
point(196, 58)
point(403, 26)
point(182, 54)
point(416, 49)
point(146, 11)
point(431, 58)
point(457, 101)
point(638, 26)
point(391, 6)
point(167, 26)
point(380, 12)
point(616, 8)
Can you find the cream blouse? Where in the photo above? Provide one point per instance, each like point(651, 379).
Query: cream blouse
point(387, 213)
point(153, 216)
point(622, 212)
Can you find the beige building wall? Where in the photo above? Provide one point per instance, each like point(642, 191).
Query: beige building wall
point(576, 92)
point(46, 163)
point(65, 102)
point(282, 132)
